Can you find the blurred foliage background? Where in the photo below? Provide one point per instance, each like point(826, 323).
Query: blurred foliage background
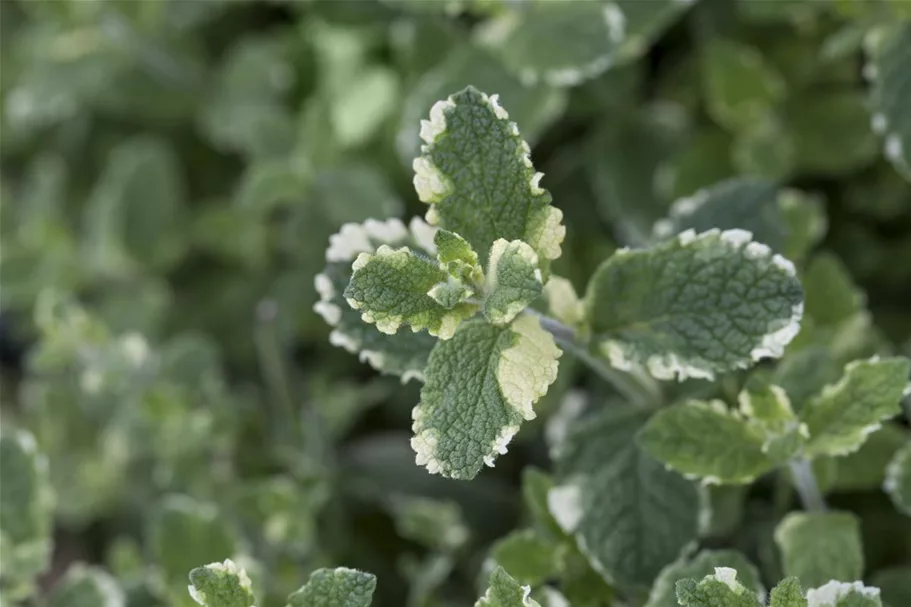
point(172, 171)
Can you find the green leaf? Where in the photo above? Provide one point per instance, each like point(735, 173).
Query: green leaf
point(740, 87)
point(888, 48)
point(433, 523)
point(534, 44)
point(788, 593)
point(183, 533)
point(26, 512)
point(663, 592)
point(393, 287)
point(87, 586)
point(898, 479)
point(221, 585)
point(513, 281)
point(803, 374)
point(405, 353)
point(865, 469)
point(480, 386)
point(769, 407)
point(475, 172)
point(820, 546)
point(843, 594)
point(843, 414)
point(339, 586)
point(831, 295)
point(533, 108)
point(747, 203)
point(720, 588)
point(457, 257)
point(708, 441)
point(504, 591)
point(629, 514)
point(695, 305)
point(535, 486)
point(530, 557)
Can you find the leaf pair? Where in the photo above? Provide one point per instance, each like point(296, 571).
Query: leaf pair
point(707, 440)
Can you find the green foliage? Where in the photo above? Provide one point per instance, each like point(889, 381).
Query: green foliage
point(208, 220)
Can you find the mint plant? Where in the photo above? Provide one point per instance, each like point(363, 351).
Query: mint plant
point(610, 305)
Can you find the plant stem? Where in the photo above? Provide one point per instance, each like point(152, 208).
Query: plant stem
point(625, 383)
point(806, 485)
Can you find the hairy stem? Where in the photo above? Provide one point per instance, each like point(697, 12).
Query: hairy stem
point(631, 387)
point(806, 485)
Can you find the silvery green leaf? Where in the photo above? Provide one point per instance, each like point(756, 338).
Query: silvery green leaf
point(663, 593)
point(808, 121)
point(820, 546)
point(898, 479)
point(339, 586)
point(535, 486)
point(136, 211)
point(841, 416)
point(184, 532)
point(866, 468)
point(630, 515)
point(504, 591)
point(26, 512)
point(392, 287)
point(87, 586)
point(888, 47)
point(769, 408)
point(708, 441)
point(533, 42)
point(740, 86)
point(530, 557)
point(831, 295)
point(788, 593)
point(746, 203)
point(437, 524)
point(221, 585)
point(695, 305)
point(479, 388)
point(476, 173)
point(843, 594)
point(405, 353)
point(719, 588)
point(803, 374)
point(513, 280)
point(533, 108)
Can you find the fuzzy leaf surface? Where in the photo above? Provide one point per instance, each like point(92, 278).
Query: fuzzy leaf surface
point(476, 172)
point(706, 440)
point(504, 591)
point(719, 588)
point(393, 287)
point(403, 354)
point(820, 546)
point(695, 305)
point(480, 386)
point(663, 592)
point(788, 593)
point(841, 417)
point(630, 515)
point(221, 585)
point(340, 586)
point(513, 280)
point(843, 594)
